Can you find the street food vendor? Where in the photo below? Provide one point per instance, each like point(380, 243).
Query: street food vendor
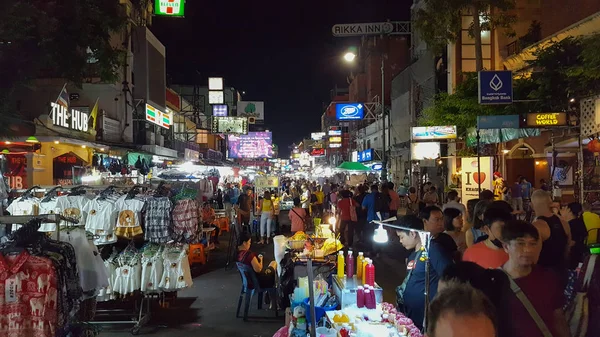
point(410, 293)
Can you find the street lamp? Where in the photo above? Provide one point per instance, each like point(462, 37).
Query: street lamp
point(349, 57)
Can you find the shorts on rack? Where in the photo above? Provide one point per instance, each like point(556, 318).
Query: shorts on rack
point(128, 232)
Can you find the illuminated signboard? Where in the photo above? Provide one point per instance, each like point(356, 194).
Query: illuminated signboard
point(317, 152)
point(433, 132)
point(317, 135)
point(335, 145)
point(335, 131)
point(336, 139)
point(349, 111)
point(169, 8)
point(425, 150)
point(546, 119)
point(230, 125)
point(220, 110)
point(253, 145)
point(162, 119)
point(364, 156)
point(69, 118)
point(215, 83)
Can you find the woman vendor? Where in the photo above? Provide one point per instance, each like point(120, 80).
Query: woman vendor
point(410, 293)
point(266, 277)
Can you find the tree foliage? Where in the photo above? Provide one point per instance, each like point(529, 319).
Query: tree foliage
point(439, 22)
point(70, 39)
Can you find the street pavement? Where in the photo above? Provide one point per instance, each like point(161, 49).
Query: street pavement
point(208, 308)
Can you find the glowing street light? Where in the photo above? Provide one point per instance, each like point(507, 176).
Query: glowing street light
point(349, 56)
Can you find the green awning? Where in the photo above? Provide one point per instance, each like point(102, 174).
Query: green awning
point(352, 166)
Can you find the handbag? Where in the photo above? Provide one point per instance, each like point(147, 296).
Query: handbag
point(301, 217)
point(353, 215)
point(528, 306)
point(578, 313)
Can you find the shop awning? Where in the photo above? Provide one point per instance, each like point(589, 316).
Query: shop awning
point(352, 166)
point(65, 140)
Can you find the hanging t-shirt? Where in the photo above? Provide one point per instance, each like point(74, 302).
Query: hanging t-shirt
point(101, 220)
point(48, 207)
point(72, 207)
point(28, 206)
point(128, 220)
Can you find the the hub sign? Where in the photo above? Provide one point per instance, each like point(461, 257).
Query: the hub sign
point(70, 119)
point(349, 111)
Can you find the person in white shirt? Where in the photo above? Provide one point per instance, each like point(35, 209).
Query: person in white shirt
point(454, 203)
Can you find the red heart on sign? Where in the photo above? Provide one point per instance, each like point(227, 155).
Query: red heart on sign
point(479, 177)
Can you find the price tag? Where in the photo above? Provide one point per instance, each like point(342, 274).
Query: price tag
point(10, 290)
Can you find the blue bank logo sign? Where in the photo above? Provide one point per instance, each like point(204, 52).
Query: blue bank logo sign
point(495, 87)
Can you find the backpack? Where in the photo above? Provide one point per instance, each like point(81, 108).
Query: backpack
point(313, 198)
point(578, 314)
point(382, 202)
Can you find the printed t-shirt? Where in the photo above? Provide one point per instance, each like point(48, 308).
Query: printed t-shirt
point(48, 207)
point(344, 207)
point(128, 221)
point(297, 216)
point(415, 287)
point(485, 256)
point(101, 219)
point(72, 207)
point(543, 290)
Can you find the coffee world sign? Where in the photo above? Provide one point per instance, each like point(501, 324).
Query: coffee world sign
point(546, 119)
point(69, 118)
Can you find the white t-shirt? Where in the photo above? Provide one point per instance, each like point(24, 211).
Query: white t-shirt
point(129, 211)
point(101, 215)
point(72, 207)
point(48, 207)
point(306, 194)
point(29, 206)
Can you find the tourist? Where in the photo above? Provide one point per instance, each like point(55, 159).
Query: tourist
point(297, 216)
point(490, 252)
point(453, 225)
point(541, 287)
point(433, 222)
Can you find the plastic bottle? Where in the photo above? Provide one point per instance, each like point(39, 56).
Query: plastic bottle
point(350, 265)
point(370, 274)
point(364, 268)
point(367, 298)
point(360, 297)
point(359, 266)
point(340, 264)
point(373, 298)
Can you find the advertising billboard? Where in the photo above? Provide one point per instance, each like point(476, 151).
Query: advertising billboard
point(433, 132)
point(425, 150)
point(472, 177)
point(317, 152)
point(230, 125)
point(349, 111)
point(220, 110)
point(251, 109)
point(317, 135)
point(336, 139)
point(250, 146)
point(335, 131)
point(364, 156)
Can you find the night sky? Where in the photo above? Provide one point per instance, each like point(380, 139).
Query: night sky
point(279, 52)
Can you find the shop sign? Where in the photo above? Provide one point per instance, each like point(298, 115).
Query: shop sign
point(230, 125)
point(336, 139)
point(349, 111)
point(355, 156)
point(220, 110)
point(471, 177)
point(335, 131)
point(433, 132)
point(495, 87)
point(376, 167)
point(335, 145)
point(546, 119)
point(162, 119)
point(498, 122)
point(317, 152)
point(169, 8)
point(62, 168)
point(366, 155)
point(191, 155)
point(317, 135)
point(16, 171)
point(69, 118)
point(266, 182)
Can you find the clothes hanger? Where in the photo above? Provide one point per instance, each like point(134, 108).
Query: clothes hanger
point(106, 192)
point(52, 193)
point(29, 192)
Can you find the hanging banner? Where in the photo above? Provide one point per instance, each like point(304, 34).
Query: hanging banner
point(471, 177)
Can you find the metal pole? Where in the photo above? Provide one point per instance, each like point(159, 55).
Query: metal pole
point(383, 114)
point(478, 162)
point(311, 297)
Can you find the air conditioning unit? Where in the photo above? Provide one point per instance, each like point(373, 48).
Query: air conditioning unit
point(251, 120)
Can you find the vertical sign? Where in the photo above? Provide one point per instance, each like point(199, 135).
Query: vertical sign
point(471, 177)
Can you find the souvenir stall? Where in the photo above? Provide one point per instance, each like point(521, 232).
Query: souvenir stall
point(137, 237)
point(349, 302)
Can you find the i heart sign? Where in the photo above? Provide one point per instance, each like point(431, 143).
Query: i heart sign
point(479, 177)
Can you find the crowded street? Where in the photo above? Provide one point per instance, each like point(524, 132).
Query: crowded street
point(423, 168)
